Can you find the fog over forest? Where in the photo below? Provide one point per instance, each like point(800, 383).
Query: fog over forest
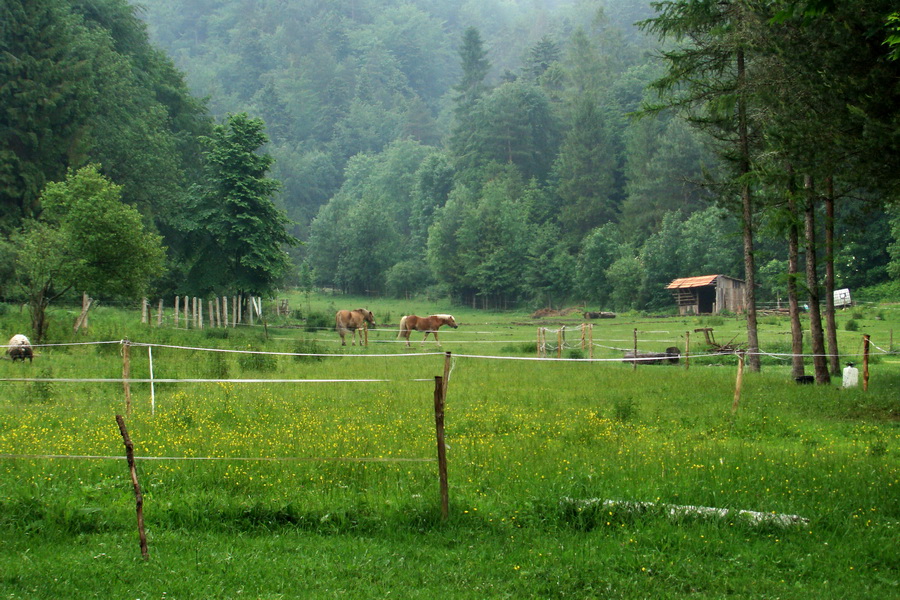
point(500, 153)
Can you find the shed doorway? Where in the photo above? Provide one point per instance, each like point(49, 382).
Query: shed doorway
point(706, 300)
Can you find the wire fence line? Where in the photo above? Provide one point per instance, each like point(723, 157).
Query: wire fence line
point(566, 345)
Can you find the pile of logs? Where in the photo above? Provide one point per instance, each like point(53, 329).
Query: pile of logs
point(671, 357)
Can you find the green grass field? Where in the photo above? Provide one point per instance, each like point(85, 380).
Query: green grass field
point(563, 474)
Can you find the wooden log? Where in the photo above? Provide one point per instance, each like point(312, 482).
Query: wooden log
point(671, 356)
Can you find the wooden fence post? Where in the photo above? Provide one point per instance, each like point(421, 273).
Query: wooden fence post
point(635, 362)
point(687, 350)
point(159, 313)
point(866, 362)
point(441, 446)
point(739, 383)
point(145, 311)
point(590, 340)
point(138, 497)
point(126, 373)
point(177, 304)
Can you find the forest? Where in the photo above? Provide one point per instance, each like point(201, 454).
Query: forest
point(499, 152)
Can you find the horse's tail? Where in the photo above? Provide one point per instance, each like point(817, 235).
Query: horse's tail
point(402, 327)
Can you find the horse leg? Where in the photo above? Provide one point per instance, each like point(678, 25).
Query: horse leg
point(342, 331)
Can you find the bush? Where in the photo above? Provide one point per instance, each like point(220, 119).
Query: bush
point(851, 325)
point(258, 362)
point(304, 347)
point(317, 321)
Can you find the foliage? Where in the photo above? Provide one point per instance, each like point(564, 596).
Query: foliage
point(243, 233)
point(391, 123)
point(88, 240)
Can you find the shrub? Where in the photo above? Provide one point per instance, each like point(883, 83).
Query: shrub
point(258, 362)
point(316, 321)
point(851, 325)
point(304, 347)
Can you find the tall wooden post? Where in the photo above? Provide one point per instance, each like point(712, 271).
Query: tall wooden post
point(138, 497)
point(590, 340)
point(866, 362)
point(738, 383)
point(159, 313)
point(145, 311)
point(687, 350)
point(634, 363)
point(177, 304)
point(441, 446)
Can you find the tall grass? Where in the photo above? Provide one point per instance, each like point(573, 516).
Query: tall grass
point(534, 449)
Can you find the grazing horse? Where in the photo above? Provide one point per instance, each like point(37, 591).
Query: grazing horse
point(353, 321)
point(431, 324)
point(19, 348)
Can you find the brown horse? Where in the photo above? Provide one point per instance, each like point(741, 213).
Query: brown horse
point(431, 324)
point(353, 321)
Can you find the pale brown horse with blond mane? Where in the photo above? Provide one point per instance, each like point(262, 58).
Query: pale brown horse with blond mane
point(353, 322)
point(430, 324)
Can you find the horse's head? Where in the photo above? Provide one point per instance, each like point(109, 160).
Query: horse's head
point(449, 321)
point(367, 315)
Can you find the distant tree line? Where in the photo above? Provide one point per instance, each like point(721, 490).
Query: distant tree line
point(499, 153)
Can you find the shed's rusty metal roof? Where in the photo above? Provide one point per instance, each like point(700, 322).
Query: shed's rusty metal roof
point(692, 282)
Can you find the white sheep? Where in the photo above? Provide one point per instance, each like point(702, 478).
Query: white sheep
point(19, 348)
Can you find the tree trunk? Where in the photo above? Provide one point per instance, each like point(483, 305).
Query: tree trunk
point(797, 369)
point(37, 306)
point(747, 223)
point(830, 325)
point(817, 335)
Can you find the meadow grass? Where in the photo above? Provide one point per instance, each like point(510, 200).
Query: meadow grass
point(329, 489)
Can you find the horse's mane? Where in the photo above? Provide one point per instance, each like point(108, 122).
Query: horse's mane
point(444, 316)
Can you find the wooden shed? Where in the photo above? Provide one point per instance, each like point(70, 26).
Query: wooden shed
point(709, 294)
